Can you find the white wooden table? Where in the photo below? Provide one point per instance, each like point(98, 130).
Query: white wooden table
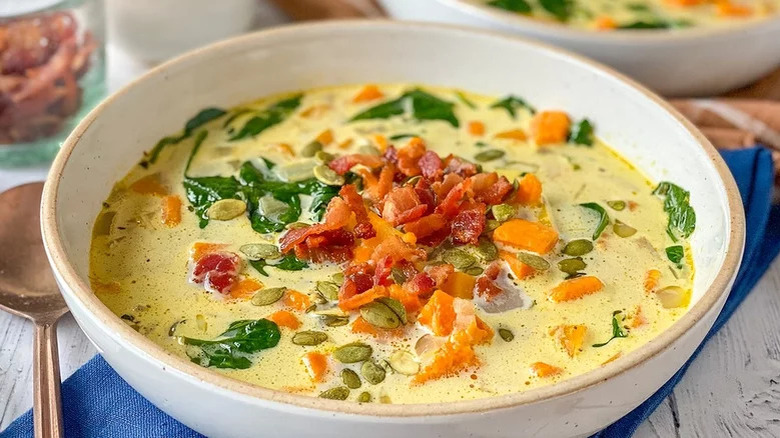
point(732, 390)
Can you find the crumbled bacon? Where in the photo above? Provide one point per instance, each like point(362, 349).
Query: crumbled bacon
point(357, 279)
point(342, 165)
point(384, 268)
point(439, 273)
point(495, 192)
point(363, 229)
point(402, 205)
point(431, 166)
point(421, 285)
point(450, 205)
point(217, 271)
point(487, 288)
point(327, 246)
point(391, 154)
point(459, 166)
point(426, 225)
point(409, 157)
point(467, 227)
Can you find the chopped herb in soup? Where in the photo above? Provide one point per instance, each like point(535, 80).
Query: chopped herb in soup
point(393, 244)
point(641, 14)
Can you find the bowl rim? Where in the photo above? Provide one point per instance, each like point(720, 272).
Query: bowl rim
point(146, 349)
point(552, 29)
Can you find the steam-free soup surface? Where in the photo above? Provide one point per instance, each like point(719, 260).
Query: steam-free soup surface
point(393, 244)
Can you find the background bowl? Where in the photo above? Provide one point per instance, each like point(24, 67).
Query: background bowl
point(682, 62)
point(638, 124)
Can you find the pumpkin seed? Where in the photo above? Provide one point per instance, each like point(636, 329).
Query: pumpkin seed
point(335, 320)
point(503, 212)
point(297, 171)
point(673, 296)
point(474, 271)
point(326, 175)
point(368, 149)
point(271, 207)
point(226, 209)
point(268, 296)
point(622, 229)
point(337, 393)
point(350, 378)
point(338, 278)
point(323, 157)
point(578, 247)
point(309, 338)
point(492, 224)
point(489, 155)
point(257, 251)
point(352, 353)
point(533, 260)
point(364, 397)
point(386, 313)
point(403, 362)
point(571, 266)
point(396, 307)
point(506, 334)
point(458, 258)
point(328, 289)
point(487, 250)
point(373, 373)
point(398, 276)
point(296, 225)
point(617, 205)
point(311, 149)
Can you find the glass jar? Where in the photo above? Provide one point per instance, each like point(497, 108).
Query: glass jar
point(52, 72)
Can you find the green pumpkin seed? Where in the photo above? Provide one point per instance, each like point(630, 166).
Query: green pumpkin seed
point(353, 353)
point(571, 266)
point(398, 276)
point(226, 209)
point(474, 271)
point(489, 155)
point(396, 307)
point(364, 397)
point(296, 225)
point(271, 207)
point(403, 362)
point(622, 229)
point(328, 289)
point(335, 320)
point(323, 157)
point(309, 338)
point(338, 278)
point(386, 313)
point(268, 296)
point(258, 251)
point(311, 149)
point(506, 334)
point(617, 205)
point(350, 378)
point(337, 393)
point(368, 149)
point(297, 171)
point(373, 373)
point(492, 224)
point(578, 247)
point(458, 258)
point(533, 260)
point(326, 175)
point(487, 250)
point(503, 212)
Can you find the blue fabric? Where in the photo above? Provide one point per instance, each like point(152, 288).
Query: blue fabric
point(97, 403)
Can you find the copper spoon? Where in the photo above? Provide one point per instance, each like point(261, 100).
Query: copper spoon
point(28, 289)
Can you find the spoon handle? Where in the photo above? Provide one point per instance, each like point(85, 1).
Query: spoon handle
point(47, 406)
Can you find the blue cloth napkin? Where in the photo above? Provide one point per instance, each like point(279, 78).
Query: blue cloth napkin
point(97, 403)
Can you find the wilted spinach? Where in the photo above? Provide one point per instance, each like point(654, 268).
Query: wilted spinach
point(424, 106)
point(519, 6)
point(603, 217)
point(511, 104)
point(675, 254)
point(200, 119)
point(582, 133)
point(617, 331)
point(287, 263)
point(561, 9)
point(241, 339)
point(268, 117)
point(682, 218)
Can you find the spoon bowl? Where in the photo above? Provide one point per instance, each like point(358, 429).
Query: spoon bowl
point(28, 289)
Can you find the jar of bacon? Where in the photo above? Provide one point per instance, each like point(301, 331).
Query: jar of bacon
point(52, 72)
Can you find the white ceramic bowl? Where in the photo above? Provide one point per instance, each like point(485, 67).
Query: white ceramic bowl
point(682, 62)
point(640, 125)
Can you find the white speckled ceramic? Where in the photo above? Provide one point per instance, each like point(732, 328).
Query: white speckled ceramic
point(638, 124)
point(682, 62)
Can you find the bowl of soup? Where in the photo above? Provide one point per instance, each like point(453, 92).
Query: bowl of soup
point(677, 48)
point(341, 229)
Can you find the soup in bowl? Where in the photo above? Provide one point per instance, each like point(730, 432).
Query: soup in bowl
point(391, 247)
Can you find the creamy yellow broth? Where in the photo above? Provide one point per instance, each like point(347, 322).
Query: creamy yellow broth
point(641, 14)
point(139, 266)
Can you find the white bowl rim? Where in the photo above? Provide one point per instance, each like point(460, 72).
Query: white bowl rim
point(80, 290)
point(617, 36)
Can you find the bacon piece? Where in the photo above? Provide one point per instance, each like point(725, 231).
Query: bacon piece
point(409, 156)
point(357, 280)
point(495, 193)
point(217, 271)
point(465, 169)
point(467, 226)
point(336, 216)
point(330, 245)
point(486, 286)
point(402, 205)
point(342, 165)
point(376, 192)
point(426, 195)
point(431, 166)
point(421, 285)
point(441, 189)
point(391, 155)
point(440, 273)
point(382, 272)
point(398, 250)
point(450, 205)
point(426, 225)
point(363, 229)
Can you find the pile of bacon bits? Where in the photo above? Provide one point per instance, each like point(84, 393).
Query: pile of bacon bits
point(41, 60)
point(412, 200)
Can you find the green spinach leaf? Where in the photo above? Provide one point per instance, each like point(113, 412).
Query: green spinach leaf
point(511, 104)
point(617, 331)
point(200, 119)
point(582, 133)
point(675, 254)
point(423, 105)
point(603, 218)
point(232, 349)
point(561, 9)
point(287, 263)
point(268, 117)
point(519, 6)
point(682, 217)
